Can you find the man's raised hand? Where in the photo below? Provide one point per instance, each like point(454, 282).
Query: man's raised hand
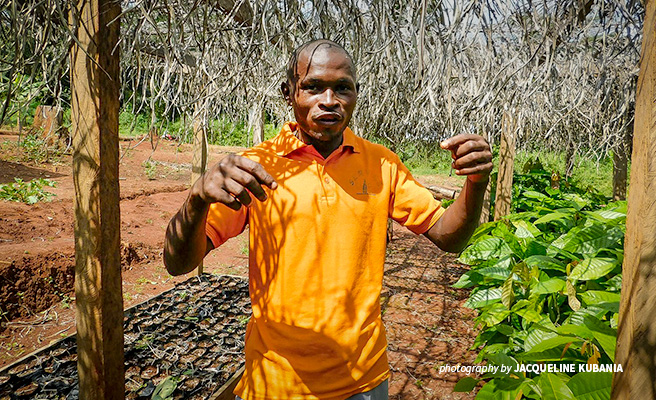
point(471, 155)
point(230, 181)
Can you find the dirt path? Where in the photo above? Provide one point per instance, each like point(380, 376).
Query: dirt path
point(426, 325)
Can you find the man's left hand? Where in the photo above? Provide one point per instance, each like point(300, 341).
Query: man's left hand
point(471, 155)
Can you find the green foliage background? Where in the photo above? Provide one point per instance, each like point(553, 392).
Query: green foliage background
point(546, 284)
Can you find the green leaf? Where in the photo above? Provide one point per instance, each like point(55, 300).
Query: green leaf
point(483, 297)
point(593, 268)
point(468, 279)
point(578, 330)
point(597, 236)
point(553, 354)
point(165, 389)
point(576, 199)
point(526, 229)
point(600, 298)
point(552, 285)
point(484, 250)
point(500, 389)
point(591, 385)
point(553, 342)
point(607, 215)
point(557, 216)
point(578, 316)
point(554, 388)
point(605, 335)
point(544, 262)
point(494, 314)
point(482, 230)
point(567, 241)
point(499, 273)
point(503, 359)
point(465, 384)
point(537, 335)
point(614, 283)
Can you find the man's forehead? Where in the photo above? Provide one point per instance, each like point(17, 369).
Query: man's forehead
point(323, 56)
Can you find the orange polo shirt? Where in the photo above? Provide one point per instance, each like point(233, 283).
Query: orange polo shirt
point(317, 251)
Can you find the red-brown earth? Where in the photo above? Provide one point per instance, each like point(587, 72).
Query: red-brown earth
point(426, 324)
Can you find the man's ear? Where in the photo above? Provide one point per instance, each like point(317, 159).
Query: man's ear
point(286, 92)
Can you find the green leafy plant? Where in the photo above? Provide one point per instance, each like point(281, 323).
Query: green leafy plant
point(150, 169)
point(27, 192)
point(165, 389)
point(546, 283)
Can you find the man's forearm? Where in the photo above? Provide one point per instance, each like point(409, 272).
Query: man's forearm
point(186, 241)
point(452, 231)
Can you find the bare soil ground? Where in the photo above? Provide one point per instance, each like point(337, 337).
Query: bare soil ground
point(426, 323)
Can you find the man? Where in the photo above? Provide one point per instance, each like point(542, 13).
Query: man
point(317, 234)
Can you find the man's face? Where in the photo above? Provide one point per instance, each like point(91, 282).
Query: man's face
point(324, 94)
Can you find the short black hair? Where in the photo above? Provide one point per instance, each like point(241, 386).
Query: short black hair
point(292, 73)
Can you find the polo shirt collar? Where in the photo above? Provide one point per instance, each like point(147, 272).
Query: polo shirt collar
point(286, 141)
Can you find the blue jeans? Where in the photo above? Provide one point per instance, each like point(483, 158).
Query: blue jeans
point(380, 392)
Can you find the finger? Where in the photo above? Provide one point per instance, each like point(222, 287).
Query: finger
point(238, 191)
point(471, 146)
point(257, 170)
point(229, 201)
point(472, 159)
point(251, 183)
point(479, 169)
point(214, 194)
point(457, 140)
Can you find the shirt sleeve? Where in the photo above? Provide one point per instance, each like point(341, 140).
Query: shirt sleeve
point(411, 204)
point(224, 223)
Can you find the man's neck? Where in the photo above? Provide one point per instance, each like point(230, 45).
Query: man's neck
point(325, 148)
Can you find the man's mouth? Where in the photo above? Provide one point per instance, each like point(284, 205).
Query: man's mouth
point(328, 119)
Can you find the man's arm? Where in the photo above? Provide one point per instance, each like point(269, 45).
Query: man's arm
point(228, 182)
point(472, 158)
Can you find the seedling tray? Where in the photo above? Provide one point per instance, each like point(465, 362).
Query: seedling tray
point(193, 333)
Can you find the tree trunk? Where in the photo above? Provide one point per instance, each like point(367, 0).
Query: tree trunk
point(94, 114)
point(621, 165)
point(503, 198)
point(47, 121)
point(485, 209)
point(636, 335)
point(256, 123)
point(199, 158)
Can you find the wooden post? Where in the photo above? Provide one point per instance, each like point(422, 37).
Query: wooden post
point(621, 164)
point(485, 209)
point(636, 334)
point(199, 158)
point(506, 165)
point(47, 122)
point(256, 123)
point(94, 115)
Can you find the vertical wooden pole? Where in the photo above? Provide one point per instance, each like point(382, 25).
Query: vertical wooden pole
point(199, 158)
point(636, 335)
point(621, 165)
point(94, 114)
point(506, 165)
point(485, 209)
point(256, 123)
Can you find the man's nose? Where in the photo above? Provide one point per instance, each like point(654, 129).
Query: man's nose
point(328, 99)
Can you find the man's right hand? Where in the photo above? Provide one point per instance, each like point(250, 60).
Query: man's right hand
point(230, 181)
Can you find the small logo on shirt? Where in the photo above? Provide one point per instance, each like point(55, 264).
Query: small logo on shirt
point(364, 189)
